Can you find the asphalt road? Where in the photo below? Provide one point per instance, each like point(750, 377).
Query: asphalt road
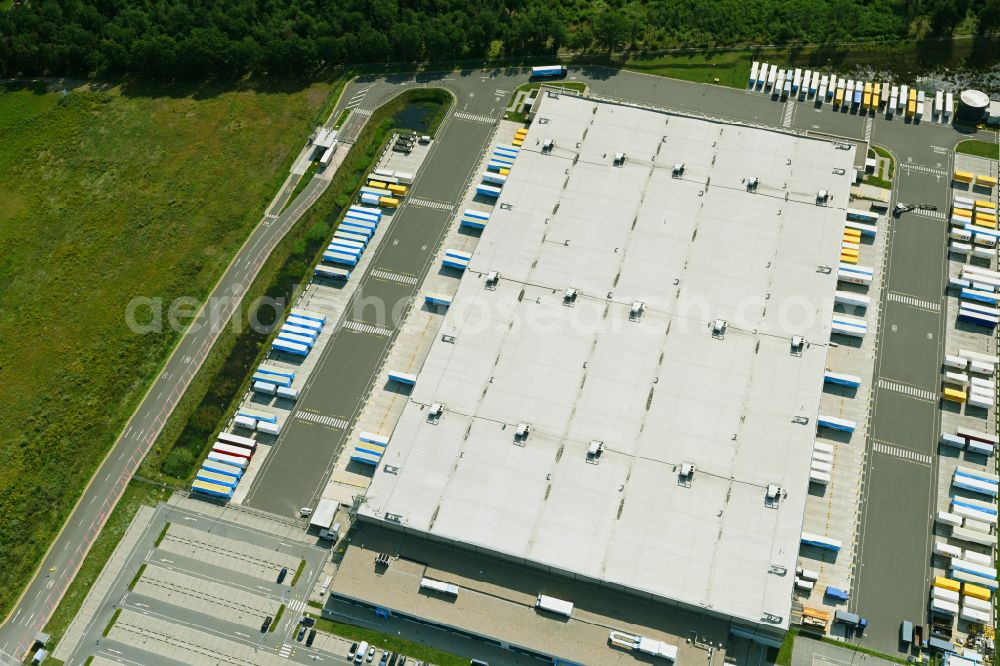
point(485, 92)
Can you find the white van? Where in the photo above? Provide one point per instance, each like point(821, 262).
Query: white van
point(362, 651)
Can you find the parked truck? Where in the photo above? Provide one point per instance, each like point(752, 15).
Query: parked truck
point(853, 622)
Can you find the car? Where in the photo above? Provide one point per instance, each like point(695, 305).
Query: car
point(393, 659)
point(302, 633)
point(371, 654)
point(311, 638)
point(307, 621)
point(402, 661)
point(282, 574)
point(353, 651)
point(305, 511)
point(266, 624)
point(425, 139)
point(385, 659)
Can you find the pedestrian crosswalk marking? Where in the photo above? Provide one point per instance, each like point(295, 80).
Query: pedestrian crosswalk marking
point(869, 126)
point(906, 389)
point(394, 277)
point(924, 169)
point(789, 110)
point(363, 112)
point(296, 605)
point(489, 120)
point(367, 328)
point(901, 453)
point(340, 424)
point(933, 214)
point(913, 301)
point(357, 98)
point(426, 203)
point(286, 651)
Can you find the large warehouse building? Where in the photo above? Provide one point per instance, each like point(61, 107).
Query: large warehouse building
point(619, 381)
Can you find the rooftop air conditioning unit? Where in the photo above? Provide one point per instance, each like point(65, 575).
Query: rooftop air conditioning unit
point(678, 170)
point(752, 184)
point(596, 449)
point(522, 432)
point(436, 410)
point(569, 297)
point(822, 196)
point(719, 327)
point(491, 279)
point(548, 145)
point(798, 344)
point(773, 491)
point(687, 470)
point(619, 159)
point(635, 313)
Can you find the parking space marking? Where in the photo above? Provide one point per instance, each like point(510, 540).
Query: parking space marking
point(913, 301)
point(324, 420)
point(903, 454)
point(906, 389)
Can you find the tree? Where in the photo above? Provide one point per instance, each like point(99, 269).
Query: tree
point(613, 30)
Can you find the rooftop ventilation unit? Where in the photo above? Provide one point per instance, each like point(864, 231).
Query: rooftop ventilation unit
point(492, 278)
point(635, 313)
point(436, 410)
point(719, 327)
point(619, 159)
point(822, 196)
point(548, 145)
point(522, 432)
point(752, 184)
point(678, 170)
point(774, 492)
point(595, 450)
point(798, 344)
point(569, 297)
point(686, 474)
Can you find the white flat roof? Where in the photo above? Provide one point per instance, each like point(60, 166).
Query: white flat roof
point(658, 392)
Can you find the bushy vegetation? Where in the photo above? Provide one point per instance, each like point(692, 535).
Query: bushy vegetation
point(106, 196)
point(171, 39)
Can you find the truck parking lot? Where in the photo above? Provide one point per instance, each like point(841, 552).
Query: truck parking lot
point(195, 584)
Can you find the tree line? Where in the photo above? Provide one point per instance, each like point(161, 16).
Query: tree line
point(184, 39)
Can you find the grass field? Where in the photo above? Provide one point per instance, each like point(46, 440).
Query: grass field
point(980, 148)
point(107, 196)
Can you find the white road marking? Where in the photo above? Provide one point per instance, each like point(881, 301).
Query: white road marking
point(913, 301)
point(901, 453)
point(324, 420)
point(906, 389)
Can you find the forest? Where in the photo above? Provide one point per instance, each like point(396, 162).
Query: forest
point(226, 39)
